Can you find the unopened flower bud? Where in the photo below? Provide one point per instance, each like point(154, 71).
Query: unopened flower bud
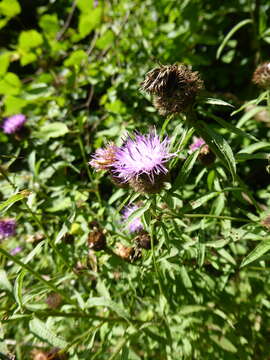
point(54, 300)
point(206, 155)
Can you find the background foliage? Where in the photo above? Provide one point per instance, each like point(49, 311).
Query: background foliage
point(74, 69)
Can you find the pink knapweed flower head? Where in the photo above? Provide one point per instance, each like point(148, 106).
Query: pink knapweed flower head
point(136, 224)
point(7, 228)
point(13, 123)
point(197, 143)
point(104, 158)
point(143, 155)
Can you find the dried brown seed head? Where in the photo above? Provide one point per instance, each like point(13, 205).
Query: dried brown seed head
point(261, 75)
point(143, 184)
point(143, 240)
point(174, 87)
point(127, 253)
point(97, 240)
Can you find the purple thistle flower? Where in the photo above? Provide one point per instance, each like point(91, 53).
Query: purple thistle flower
point(145, 155)
point(7, 228)
point(104, 157)
point(136, 224)
point(197, 143)
point(16, 250)
point(13, 123)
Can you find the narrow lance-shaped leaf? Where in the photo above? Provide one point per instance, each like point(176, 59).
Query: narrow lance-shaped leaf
point(256, 253)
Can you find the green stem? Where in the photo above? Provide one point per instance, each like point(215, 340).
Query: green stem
point(87, 167)
point(152, 228)
point(218, 217)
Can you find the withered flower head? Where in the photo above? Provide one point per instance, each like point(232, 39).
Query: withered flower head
point(38, 355)
point(143, 240)
point(261, 75)
point(174, 87)
point(127, 253)
point(53, 354)
point(104, 158)
point(97, 239)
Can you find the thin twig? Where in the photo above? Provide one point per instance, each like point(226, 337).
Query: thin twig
point(68, 21)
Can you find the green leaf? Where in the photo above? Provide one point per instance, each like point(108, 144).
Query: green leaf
point(4, 62)
point(4, 282)
point(116, 195)
point(76, 58)
point(224, 343)
point(53, 130)
point(88, 21)
point(101, 301)
point(85, 5)
point(18, 285)
point(105, 40)
point(185, 170)
point(138, 213)
point(39, 328)
point(30, 39)
point(217, 102)
point(9, 8)
point(185, 277)
point(10, 84)
point(60, 205)
point(254, 147)
point(202, 200)
point(220, 146)
point(28, 58)
point(49, 24)
point(13, 105)
point(256, 253)
point(233, 128)
point(249, 114)
point(5, 205)
point(230, 34)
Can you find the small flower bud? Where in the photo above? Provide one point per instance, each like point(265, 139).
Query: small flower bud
point(261, 76)
point(53, 300)
point(206, 156)
point(97, 240)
